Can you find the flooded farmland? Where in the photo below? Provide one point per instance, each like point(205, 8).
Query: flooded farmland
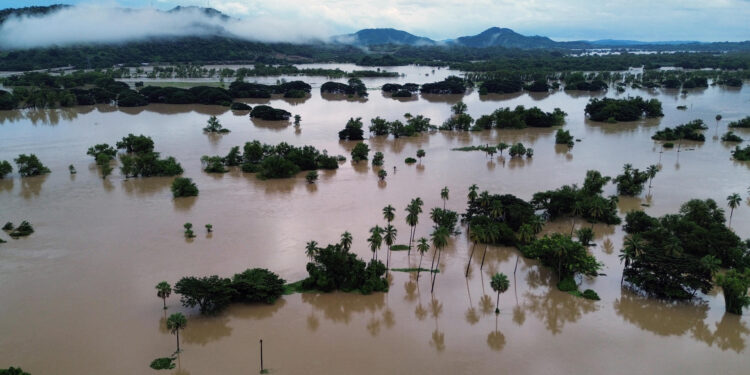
point(78, 295)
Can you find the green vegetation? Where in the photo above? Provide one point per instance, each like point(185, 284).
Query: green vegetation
point(334, 268)
point(632, 180)
point(676, 255)
point(586, 202)
point(175, 323)
point(240, 89)
point(498, 219)
point(164, 363)
point(450, 85)
point(500, 86)
point(563, 137)
point(377, 159)
point(578, 81)
point(414, 125)
point(360, 152)
point(141, 160)
point(731, 137)
point(399, 247)
point(518, 149)
point(8, 226)
point(212, 293)
point(668, 145)
point(499, 284)
point(311, 177)
point(23, 230)
point(209, 228)
point(188, 230)
point(163, 291)
point(741, 154)
point(214, 126)
point(29, 165)
point(567, 257)
point(239, 106)
point(184, 187)
point(735, 285)
point(354, 87)
point(629, 109)
point(461, 121)
point(420, 155)
point(72, 169)
point(13, 371)
point(283, 160)
point(689, 131)
point(5, 168)
point(136, 144)
point(743, 123)
point(382, 174)
point(410, 160)
point(269, 113)
point(353, 130)
point(175, 95)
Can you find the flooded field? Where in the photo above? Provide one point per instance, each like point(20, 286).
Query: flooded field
point(78, 297)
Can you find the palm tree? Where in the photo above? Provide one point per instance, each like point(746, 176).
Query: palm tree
point(375, 240)
point(439, 241)
point(632, 250)
point(472, 192)
point(537, 223)
point(346, 241)
point(711, 263)
point(491, 233)
point(577, 211)
point(500, 284)
point(476, 234)
point(525, 234)
point(310, 249)
point(420, 155)
point(444, 195)
point(497, 209)
point(422, 247)
point(651, 170)
point(389, 238)
point(175, 323)
point(412, 218)
point(596, 211)
point(389, 213)
point(484, 199)
point(734, 202)
point(163, 290)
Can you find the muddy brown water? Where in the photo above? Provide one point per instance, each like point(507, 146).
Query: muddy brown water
point(78, 295)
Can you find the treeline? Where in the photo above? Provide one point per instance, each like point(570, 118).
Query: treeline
point(42, 90)
point(627, 109)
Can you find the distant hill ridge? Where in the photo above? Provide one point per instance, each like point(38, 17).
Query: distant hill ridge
point(490, 38)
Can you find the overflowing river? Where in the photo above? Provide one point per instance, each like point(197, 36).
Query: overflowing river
point(78, 297)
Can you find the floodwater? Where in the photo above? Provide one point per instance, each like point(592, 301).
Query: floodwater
point(78, 295)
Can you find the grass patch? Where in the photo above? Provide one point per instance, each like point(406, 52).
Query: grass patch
point(295, 287)
point(182, 85)
point(469, 148)
point(399, 247)
point(414, 269)
point(165, 363)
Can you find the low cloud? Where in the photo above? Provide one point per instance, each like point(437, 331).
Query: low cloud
point(96, 24)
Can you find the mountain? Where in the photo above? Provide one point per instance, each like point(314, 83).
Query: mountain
point(502, 37)
point(368, 37)
point(210, 12)
point(35, 11)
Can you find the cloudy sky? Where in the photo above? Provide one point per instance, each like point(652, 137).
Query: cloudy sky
point(647, 20)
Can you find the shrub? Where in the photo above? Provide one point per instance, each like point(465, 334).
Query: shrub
point(311, 176)
point(590, 294)
point(24, 229)
point(377, 159)
point(184, 187)
point(567, 257)
point(735, 285)
point(353, 130)
point(741, 154)
point(257, 285)
point(689, 131)
point(563, 137)
point(239, 106)
point(410, 160)
point(567, 284)
point(730, 137)
point(29, 165)
point(744, 123)
point(5, 168)
point(165, 363)
point(360, 152)
point(269, 113)
point(8, 226)
point(214, 126)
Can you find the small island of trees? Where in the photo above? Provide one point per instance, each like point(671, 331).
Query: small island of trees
point(141, 160)
point(450, 85)
point(354, 86)
point(690, 131)
point(265, 112)
point(743, 123)
point(628, 109)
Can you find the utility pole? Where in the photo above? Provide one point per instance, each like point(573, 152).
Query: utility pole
point(261, 356)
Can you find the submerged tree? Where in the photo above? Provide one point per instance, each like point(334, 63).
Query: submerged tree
point(439, 241)
point(175, 323)
point(444, 195)
point(499, 284)
point(422, 248)
point(733, 201)
point(163, 291)
point(735, 285)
